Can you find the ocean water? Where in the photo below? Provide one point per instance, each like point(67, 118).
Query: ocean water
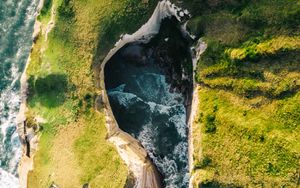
point(16, 27)
point(145, 106)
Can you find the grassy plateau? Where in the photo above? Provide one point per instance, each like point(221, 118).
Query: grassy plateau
point(73, 150)
point(247, 130)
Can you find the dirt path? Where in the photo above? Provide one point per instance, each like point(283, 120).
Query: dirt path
point(51, 23)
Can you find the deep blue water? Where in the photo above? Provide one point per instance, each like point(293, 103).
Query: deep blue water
point(16, 27)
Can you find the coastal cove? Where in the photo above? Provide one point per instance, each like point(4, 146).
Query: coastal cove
point(148, 93)
point(141, 60)
point(149, 90)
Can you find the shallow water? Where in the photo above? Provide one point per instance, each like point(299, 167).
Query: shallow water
point(147, 105)
point(16, 27)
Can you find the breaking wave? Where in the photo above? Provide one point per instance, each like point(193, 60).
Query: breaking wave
point(8, 180)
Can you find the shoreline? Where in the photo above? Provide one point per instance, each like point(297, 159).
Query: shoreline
point(199, 49)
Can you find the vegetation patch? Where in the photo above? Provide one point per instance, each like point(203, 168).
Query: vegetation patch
point(46, 10)
point(248, 125)
point(249, 80)
point(265, 49)
point(251, 146)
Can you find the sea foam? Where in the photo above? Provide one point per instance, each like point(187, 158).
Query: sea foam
point(17, 19)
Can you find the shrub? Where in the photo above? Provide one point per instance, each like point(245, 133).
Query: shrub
point(89, 100)
point(205, 162)
point(210, 125)
point(30, 120)
point(195, 26)
point(46, 7)
point(65, 10)
point(253, 17)
point(213, 54)
point(292, 18)
point(54, 83)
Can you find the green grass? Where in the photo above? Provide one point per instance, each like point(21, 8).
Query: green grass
point(98, 160)
point(266, 48)
point(247, 131)
point(249, 146)
point(62, 91)
point(45, 12)
point(273, 77)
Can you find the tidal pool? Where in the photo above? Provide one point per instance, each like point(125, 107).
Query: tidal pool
point(149, 89)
